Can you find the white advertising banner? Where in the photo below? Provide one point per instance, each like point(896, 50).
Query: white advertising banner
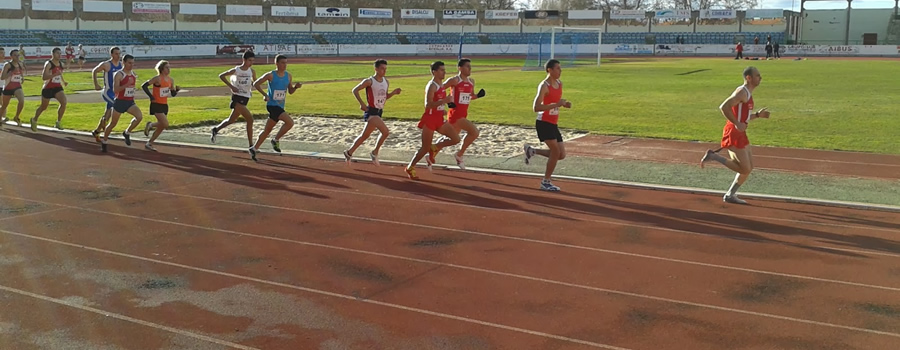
point(460, 14)
point(151, 7)
point(764, 13)
point(338, 12)
point(417, 13)
point(317, 49)
point(52, 5)
point(717, 14)
point(501, 14)
point(288, 11)
point(197, 9)
point(10, 4)
point(375, 13)
point(243, 10)
point(102, 6)
point(586, 14)
point(669, 14)
point(146, 51)
point(628, 14)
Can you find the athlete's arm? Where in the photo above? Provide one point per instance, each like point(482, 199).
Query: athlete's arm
point(539, 105)
point(224, 76)
point(450, 82)
point(429, 95)
point(737, 97)
point(293, 87)
point(256, 84)
point(117, 88)
point(99, 67)
point(177, 88)
point(474, 96)
point(146, 87)
point(5, 73)
point(45, 74)
point(362, 85)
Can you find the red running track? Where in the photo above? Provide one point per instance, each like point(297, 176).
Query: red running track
point(205, 249)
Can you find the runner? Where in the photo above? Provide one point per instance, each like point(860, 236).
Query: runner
point(241, 85)
point(463, 89)
point(279, 82)
point(13, 74)
point(70, 54)
point(3, 119)
point(159, 101)
point(22, 59)
point(54, 83)
point(736, 110)
point(433, 120)
point(109, 68)
point(376, 95)
point(81, 56)
point(123, 86)
point(546, 105)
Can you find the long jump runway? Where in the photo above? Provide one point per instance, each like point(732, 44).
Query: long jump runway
point(195, 248)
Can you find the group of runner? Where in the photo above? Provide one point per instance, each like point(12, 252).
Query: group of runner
point(120, 83)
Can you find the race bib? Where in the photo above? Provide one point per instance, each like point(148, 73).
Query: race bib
point(164, 92)
point(464, 98)
point(56, 80)
point(554, 111)
point(380, 98)
point(279, 95)
point(16, 79)
point(440, 108)
point(243, 82)
point(129, 92)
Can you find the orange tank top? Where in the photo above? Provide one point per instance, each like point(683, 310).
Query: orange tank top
point(741, 111)
point(161, 91)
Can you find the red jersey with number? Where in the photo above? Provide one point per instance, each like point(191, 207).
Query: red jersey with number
point(439, 94)
point(128, 82)
point(462, 95)
point(56, 81)
point(15, 77)
point(553, 96)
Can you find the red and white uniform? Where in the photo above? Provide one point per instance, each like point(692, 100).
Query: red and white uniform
point(70, 52)
point(731, 136)
point(54, 82)
point(128, 82)
point(462, 95)
point(553, 96)
point(433, 118)
point(376, 94)
point(14, 78)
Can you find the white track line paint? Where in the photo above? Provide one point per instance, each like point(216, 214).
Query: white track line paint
point(125, 318)
point(322, 292)
point(628, 184)
point(476, 233)
point(860, 251)
point(462, 267)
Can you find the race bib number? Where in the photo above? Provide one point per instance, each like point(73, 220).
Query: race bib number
point(440, 108)
point(279, 95)
point(380, 98)
point(16, 79)
point(554, 111)
point(464, 98)
point(129, 92)
point(164, 92)
point(243, 82)
point(56, 80)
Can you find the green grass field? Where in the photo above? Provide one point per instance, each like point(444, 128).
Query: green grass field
point(821, 104)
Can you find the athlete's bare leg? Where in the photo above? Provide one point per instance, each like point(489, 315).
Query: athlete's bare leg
point(731, 163)
point(743, 157)
point(136, 112)
point(102, 124)
point(162, 122)
point(20, 103)
point(63, 102)
point(4, 103)
point(238, 110)
point(427, 137)
point(374, 122)
point(556, 151)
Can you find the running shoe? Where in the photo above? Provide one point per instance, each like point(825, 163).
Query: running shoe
point(252, 153)
point(149, 147)
point(33, 125)
point(546, 185)
point(127, 137)
point(411, 173)
point(733, 199)
point(529, 152)
point(212, 137)
point(374, 159)
point(147, 129)
point(347, 156)
point(460, 163)
point(276, 145)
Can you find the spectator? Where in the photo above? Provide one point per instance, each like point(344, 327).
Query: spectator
point(740, 51)
point(768, 49)
point(777, 52)
point(756, 40)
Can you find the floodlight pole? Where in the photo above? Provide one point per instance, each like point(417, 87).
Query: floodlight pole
point(552, 40)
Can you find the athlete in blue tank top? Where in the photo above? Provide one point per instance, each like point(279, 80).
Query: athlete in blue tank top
point(109, 68)
point(280, 85)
